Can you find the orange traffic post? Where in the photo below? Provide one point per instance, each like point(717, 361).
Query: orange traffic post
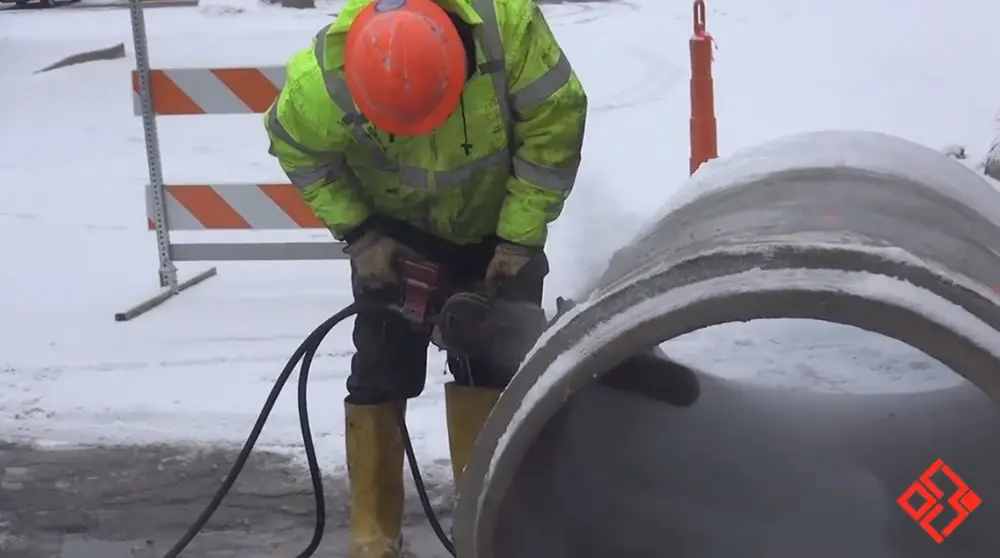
point(704, 141)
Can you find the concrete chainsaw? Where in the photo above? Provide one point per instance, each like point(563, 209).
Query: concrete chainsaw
point(501, 331)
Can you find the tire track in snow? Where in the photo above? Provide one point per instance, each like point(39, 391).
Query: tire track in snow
point(110, 366)
point(24, 390)
point(658, 75)
point(582, 13)
point(46, 221)
point(657, 78)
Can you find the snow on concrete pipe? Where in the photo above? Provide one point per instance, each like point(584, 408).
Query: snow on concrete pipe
point(853, 228)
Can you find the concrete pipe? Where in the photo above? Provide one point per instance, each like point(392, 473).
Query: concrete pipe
point(854, 228)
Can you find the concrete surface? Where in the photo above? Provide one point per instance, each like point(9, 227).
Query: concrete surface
point(117, 502)
point(855, 228)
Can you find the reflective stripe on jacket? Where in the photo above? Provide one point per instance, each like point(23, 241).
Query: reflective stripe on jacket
point(525, 120)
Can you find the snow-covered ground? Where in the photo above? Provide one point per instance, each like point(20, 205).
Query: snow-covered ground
point(74, 249)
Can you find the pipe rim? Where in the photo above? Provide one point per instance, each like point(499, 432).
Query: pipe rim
point(786, 292)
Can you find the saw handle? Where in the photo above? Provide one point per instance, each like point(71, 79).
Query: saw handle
point(420, 282)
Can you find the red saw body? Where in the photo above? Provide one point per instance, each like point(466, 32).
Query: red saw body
point(467, 323)
point(421, 280)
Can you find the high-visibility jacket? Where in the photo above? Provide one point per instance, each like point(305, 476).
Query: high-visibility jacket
point(524, 113)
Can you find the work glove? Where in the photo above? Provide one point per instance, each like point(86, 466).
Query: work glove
point(507, 262)
point(375, 258)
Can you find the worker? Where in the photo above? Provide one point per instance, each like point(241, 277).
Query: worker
point(448, 129)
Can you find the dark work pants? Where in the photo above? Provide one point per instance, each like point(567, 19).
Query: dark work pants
point(391, 359)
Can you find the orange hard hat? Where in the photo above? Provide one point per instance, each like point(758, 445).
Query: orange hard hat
point(405, 65)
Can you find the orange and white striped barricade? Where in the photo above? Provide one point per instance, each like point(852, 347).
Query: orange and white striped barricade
point(212, 206)
point(228, 206)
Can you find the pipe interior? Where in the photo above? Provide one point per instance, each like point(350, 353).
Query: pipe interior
point(752, 471)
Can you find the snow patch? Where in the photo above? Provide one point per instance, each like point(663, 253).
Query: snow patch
point(235, 7)
point(227, 7)
point(955, 151)
point(7, 540)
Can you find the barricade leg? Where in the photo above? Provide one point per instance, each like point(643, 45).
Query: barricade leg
point(165, 294)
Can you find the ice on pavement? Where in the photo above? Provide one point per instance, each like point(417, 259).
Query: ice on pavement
point(75, 248)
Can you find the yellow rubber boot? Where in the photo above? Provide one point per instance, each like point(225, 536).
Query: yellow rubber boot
point(467, 409)
point(375, 472)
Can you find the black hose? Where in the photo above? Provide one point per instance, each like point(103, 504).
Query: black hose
point(418, 482)
point(305, 353)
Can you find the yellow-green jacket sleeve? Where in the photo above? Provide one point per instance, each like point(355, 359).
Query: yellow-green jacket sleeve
point(309, 142)
point(550, 111)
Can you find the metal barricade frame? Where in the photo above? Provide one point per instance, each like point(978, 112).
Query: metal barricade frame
point(217, 206)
